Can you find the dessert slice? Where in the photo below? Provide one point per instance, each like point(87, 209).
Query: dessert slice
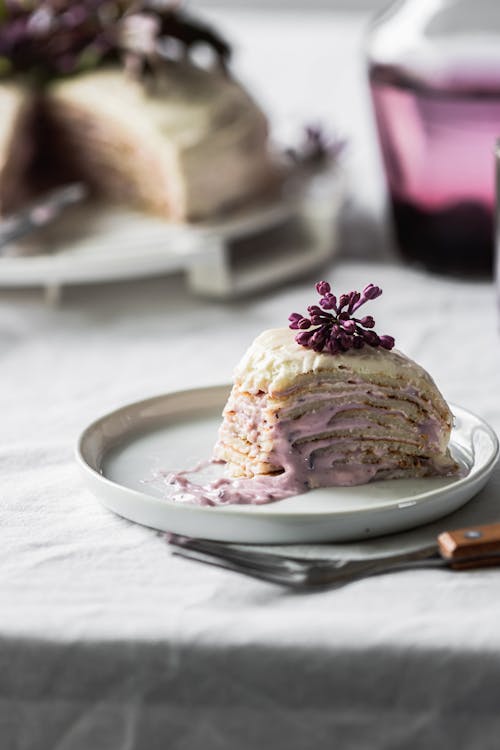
point(185, 143)
point(333, 405)
point(16, 122)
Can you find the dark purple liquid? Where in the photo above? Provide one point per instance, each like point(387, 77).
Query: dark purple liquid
point(438, 149)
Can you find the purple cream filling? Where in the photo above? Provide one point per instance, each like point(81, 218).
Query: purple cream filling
point(258, 490)
point(309, 461)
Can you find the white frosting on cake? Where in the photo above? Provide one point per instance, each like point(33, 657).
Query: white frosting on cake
point(186, 145)
point(274, 361)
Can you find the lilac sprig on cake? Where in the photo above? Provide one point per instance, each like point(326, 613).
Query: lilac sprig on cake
point(332, 326)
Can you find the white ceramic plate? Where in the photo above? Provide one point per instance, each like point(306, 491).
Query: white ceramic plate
point(120, 454)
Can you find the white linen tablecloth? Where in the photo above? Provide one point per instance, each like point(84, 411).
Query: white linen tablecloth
point(107, 641)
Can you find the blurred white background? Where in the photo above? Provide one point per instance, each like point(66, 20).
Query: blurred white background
point(302, 5)
point(311, 67)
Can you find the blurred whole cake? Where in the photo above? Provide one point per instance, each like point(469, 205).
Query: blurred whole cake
point(108, 93)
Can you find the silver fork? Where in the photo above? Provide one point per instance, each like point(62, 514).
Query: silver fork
point(301, 573)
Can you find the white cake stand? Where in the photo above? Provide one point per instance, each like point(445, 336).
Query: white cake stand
point(250, 249)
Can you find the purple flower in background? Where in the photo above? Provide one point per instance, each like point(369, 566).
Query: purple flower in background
point(317, 148)
point(47, 38)
point(139, 33)
point(338, 331)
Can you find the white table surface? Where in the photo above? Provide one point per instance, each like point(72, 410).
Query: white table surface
point(107, 642)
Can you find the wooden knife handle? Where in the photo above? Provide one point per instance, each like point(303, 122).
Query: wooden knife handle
point(472, 547)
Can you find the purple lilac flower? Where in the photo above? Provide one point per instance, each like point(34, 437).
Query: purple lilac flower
point(46, 38)
point(331, 326)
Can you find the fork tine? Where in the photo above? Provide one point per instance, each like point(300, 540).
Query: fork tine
point(260, 560)
point(283, 577)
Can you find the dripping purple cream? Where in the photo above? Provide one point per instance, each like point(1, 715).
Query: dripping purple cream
point(336, 409)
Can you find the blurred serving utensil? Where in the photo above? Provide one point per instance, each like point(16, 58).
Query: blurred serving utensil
point(473, 547)
point(39, 214)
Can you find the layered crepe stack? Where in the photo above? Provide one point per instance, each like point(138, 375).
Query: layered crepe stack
point(323, 420)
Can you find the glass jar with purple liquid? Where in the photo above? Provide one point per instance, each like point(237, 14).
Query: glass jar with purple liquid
point(434, 68)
